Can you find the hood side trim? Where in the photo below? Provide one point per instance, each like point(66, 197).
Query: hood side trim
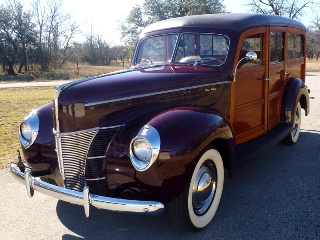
point(155, 93)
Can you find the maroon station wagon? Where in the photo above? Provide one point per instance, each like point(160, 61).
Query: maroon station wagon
point(204, 94)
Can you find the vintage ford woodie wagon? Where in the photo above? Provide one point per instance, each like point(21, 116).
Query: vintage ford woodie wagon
point(204, 94)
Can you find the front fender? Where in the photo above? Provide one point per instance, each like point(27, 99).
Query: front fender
point(296, 91)
point(41, 154)
point(185, 132)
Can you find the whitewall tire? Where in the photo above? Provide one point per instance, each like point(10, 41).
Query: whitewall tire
point(293, 136)
point(197, 205)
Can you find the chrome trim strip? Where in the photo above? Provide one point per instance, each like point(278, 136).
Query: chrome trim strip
point(59, 153)
point(97, 157)
point(89, 130)
point(95, 179)
point(85, 198)
point(155, 93)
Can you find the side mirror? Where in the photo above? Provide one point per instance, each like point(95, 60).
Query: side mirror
point(250, 56)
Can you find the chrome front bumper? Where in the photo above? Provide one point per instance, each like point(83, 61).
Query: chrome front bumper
point(84, 198)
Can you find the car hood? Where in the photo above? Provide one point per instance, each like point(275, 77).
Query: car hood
point(135, 82)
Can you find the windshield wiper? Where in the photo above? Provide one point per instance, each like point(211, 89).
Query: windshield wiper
point(203, 61)
point(146, 60)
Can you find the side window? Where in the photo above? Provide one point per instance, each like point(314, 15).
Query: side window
point(213, 45)
point(295, 45)
point(277, 47)
point(195, 46)
point(187, 46)
point(253, 43)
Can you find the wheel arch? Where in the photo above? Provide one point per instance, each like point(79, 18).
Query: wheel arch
point(226, 151)
point(295, 91)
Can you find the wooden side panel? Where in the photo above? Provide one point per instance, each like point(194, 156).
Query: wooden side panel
point(276, 86)
point(249, 103)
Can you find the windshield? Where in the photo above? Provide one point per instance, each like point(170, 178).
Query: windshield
point(157, 49)
point(195, 48)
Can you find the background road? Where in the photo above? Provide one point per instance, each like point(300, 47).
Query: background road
point(32, 84)
point(275, 197)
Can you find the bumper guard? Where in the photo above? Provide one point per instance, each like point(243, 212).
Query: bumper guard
point(84, 198)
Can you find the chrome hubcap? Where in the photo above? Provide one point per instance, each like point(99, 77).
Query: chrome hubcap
point(204, 187)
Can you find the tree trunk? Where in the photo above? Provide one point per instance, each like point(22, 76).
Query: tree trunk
point(20, 68)
point(11, 70)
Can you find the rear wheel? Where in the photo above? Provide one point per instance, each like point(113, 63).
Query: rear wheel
point(293, 136)
point(198, 203)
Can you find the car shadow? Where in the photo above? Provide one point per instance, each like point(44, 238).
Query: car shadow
point(276, 195)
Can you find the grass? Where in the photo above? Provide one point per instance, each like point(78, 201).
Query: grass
point(313, 66)
point(16, 103)
point(69, 71)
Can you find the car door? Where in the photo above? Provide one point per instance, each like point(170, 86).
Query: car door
point(249, 116)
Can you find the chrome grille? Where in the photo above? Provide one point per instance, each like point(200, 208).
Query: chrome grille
point(82, 158)
point(74, 150)
point(95, 166)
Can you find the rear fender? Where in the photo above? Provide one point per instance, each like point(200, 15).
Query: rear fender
point(296, 91)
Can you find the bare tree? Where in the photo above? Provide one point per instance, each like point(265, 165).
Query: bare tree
point(294, 9)
point(313, 39)
point(56, 31)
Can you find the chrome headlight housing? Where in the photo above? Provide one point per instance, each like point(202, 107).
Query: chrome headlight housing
point(145, 148)
point(29, 128)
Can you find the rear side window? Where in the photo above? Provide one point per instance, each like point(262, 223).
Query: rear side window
point(277, 47)
point(295, 45)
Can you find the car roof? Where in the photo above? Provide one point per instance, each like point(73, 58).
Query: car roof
point(232, 21)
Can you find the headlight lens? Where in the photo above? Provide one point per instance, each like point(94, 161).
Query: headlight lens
point(29, 128)
point(142, 149)
point(26, 131)
point(145, 148)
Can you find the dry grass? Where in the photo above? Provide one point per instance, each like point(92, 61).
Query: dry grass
point(69, 71)
point(16, 103)
point(85, 70)
point(313, 66)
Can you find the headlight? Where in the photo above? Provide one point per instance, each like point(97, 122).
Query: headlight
point(144, 148)
point(26, 131)
point(29, 128)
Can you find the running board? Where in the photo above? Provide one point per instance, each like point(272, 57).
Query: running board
point(248, 151)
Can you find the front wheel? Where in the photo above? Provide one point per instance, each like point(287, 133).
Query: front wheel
point(198, 203)
point(293, 136)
